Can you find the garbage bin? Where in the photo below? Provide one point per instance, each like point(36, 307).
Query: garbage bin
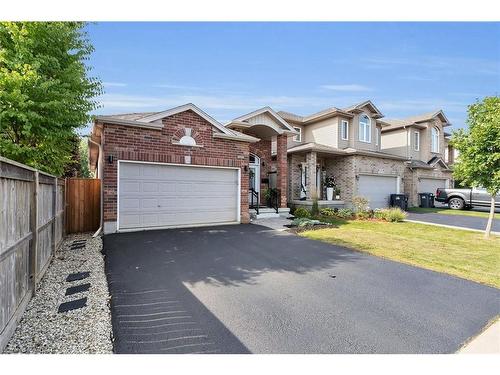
point(399, 200)
point(426, 200)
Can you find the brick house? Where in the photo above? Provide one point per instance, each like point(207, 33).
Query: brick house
point(181, 167)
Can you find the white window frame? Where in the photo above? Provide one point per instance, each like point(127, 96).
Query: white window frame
point(298, 137)
point(344, 134)
point(435, 137)
point(416, 140)
point(362, 129)
point(377, 136)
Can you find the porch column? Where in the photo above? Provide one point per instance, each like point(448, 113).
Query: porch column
point(282, 168)
point(311, 161)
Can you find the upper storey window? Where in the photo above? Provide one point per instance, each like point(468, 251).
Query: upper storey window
point(434, 140)
point(365, 129)
point(344, 130)
point(298, 137)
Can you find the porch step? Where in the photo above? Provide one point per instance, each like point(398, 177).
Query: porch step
point(263, 213)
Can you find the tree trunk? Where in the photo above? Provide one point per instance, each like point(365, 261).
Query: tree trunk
point(490, 218)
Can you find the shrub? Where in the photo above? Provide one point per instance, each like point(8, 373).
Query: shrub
point(344, 213)
point(301, 212)
point(315, 208)
point(393, 214)
point(364, 215)
point(328, 212)
point(360, 204)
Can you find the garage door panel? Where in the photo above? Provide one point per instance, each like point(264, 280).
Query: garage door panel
point(430, 185)
point(160, 195)
point(377, 189)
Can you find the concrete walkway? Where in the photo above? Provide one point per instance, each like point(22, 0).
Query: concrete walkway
point(488, 342)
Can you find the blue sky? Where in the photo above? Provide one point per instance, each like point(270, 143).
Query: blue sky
point(229, 69)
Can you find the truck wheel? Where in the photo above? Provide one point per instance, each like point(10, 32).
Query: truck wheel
point(456, 204)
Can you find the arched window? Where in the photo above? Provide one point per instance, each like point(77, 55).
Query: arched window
point(365, 129)
point(434, 140)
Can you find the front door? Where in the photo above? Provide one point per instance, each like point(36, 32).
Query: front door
point(254, 179)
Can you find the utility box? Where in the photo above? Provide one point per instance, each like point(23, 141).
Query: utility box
point(426, 200)
point(399, 200)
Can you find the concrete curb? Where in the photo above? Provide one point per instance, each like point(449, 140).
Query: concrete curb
point(450, 226)
point(487, 342)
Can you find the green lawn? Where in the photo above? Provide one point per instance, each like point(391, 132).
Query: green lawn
point(456, 252)
point(448, 211)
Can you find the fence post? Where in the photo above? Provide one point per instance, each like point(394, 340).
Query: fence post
point(54, 214)
point(34, 234)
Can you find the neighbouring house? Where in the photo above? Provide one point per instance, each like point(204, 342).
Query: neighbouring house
point(181, 167)
point(423, 142)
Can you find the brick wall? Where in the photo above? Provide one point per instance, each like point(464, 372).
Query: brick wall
point(130, 143)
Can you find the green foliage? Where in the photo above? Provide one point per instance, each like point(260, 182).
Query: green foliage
point(364, 215)
point(302, 212)
point(330, 182)
point(315, 208)
point(360, 204)
point(393, 214)
point(328, 212)
point(46, 92)
point(345, 213)
point(84, 158)
point(478, 162)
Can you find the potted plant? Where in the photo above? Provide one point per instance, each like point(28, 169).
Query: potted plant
point(268, 195)
point(337, 193)
point(330, 185)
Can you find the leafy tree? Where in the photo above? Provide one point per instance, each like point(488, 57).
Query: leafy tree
point(478, 163)
point(83, 149)
point(46, 92)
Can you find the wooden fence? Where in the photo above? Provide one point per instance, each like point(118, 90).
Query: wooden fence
point(83, 205)
point(32, 207)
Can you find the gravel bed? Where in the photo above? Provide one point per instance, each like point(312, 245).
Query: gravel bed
point(87, 330)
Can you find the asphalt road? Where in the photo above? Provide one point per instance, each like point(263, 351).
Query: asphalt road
point(246, 288)
point(471, 222)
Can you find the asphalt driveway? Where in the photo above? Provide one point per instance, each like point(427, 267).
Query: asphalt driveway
point(471, 222)
point(247, 288)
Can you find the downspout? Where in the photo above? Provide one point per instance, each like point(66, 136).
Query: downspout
point(99, 175)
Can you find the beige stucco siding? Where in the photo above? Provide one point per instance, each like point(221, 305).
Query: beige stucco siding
point(324, 132)
point(395, 142)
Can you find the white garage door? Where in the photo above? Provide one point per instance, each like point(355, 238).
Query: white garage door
point(160, 195)
point(377, 189)
point(430, 185)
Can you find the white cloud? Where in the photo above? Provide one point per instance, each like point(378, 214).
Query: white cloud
point(114, 84)
point(349, 88)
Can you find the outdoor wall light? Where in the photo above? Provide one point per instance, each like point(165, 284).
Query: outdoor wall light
point(245, 168)
point(263, 164)
point(110, 159)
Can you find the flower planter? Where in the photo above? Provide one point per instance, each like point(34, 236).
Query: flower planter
point(329, 193)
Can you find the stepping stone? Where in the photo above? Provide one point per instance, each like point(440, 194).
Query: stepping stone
point(72, 305)
point(77, 276)
point(77, 289)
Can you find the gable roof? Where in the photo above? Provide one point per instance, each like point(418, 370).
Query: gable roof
point(182, 108)
point(269, 111)
point(416, 120)
point(359, 106)
point(149, 120)
point(332, 111)
point(437, 159)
